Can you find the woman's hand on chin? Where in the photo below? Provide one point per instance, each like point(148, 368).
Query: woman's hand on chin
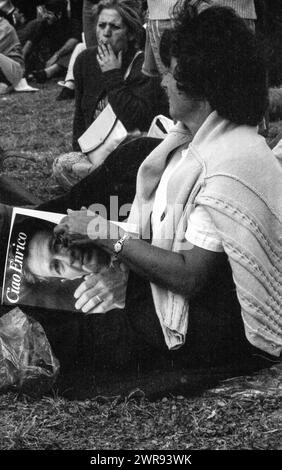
point(107, 59)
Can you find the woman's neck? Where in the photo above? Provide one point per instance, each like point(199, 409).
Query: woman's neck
point(196, 118)
point(128, 56)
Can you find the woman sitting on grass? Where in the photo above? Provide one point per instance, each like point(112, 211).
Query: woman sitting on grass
point(204, 283)
point(111, 73)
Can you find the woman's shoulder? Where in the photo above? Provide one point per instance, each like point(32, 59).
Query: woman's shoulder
point(87, 54)
point(134, 65)
point(86, 60)
point(138, 58)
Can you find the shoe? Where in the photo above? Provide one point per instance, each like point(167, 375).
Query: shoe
point(65, 94)
point(39, 76)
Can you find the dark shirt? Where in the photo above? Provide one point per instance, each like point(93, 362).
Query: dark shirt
point(28, 7)
point(135, 100)
point(30, 31)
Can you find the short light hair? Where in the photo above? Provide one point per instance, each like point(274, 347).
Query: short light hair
point(130, 12)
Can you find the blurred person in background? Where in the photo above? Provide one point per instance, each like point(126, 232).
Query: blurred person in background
point(30, 31)
point(6, 10)
point(245, 9)
point(68, 91)
point(160, 18)
point(61, 34)
point(11, 57)
point(88, 19)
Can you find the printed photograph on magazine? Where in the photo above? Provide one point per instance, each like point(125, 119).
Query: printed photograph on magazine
point(40, 270)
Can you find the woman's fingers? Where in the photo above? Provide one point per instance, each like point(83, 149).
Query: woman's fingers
point(110, 49)
point(89, 299)
point(86, 304)
point(107, 58)
point(103, 50)
point(89, 281)
point(90, 293)
point(94, 307)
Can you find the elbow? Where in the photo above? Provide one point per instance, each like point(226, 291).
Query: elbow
point(189, 283)
point(187, 288)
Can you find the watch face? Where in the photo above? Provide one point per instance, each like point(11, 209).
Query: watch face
point(117, 247)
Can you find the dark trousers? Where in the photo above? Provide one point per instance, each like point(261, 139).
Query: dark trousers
point(131, 339)
point(117, 176)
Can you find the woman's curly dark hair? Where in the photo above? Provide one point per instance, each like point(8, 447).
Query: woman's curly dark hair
point(218, 59)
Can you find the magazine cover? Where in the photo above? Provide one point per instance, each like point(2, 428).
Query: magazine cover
point(39, 269)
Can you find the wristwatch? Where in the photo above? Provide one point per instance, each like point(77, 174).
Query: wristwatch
point(118, 246)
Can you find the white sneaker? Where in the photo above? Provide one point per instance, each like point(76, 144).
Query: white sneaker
point(23, 86)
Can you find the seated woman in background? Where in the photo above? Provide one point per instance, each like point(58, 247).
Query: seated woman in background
point(204, 283)
point(11, 57)
point(59, 36)
point(111, 73)
point(30, 33)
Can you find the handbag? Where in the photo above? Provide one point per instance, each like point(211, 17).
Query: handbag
point(102, 137)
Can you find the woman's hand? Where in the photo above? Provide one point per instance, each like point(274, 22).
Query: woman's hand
point(75, 223)
point(107, 59)
point(102, 292)
point(85, 225)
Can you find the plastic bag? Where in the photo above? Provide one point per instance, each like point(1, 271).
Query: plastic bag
point(27, 362)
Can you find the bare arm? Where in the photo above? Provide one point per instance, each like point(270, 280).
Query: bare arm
point(27, 48)
point(67, 47)
point(185, 272)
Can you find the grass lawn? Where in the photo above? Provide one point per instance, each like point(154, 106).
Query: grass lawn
point(242, 413)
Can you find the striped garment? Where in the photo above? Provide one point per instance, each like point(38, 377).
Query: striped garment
point(244, 8)
point(160, 9)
